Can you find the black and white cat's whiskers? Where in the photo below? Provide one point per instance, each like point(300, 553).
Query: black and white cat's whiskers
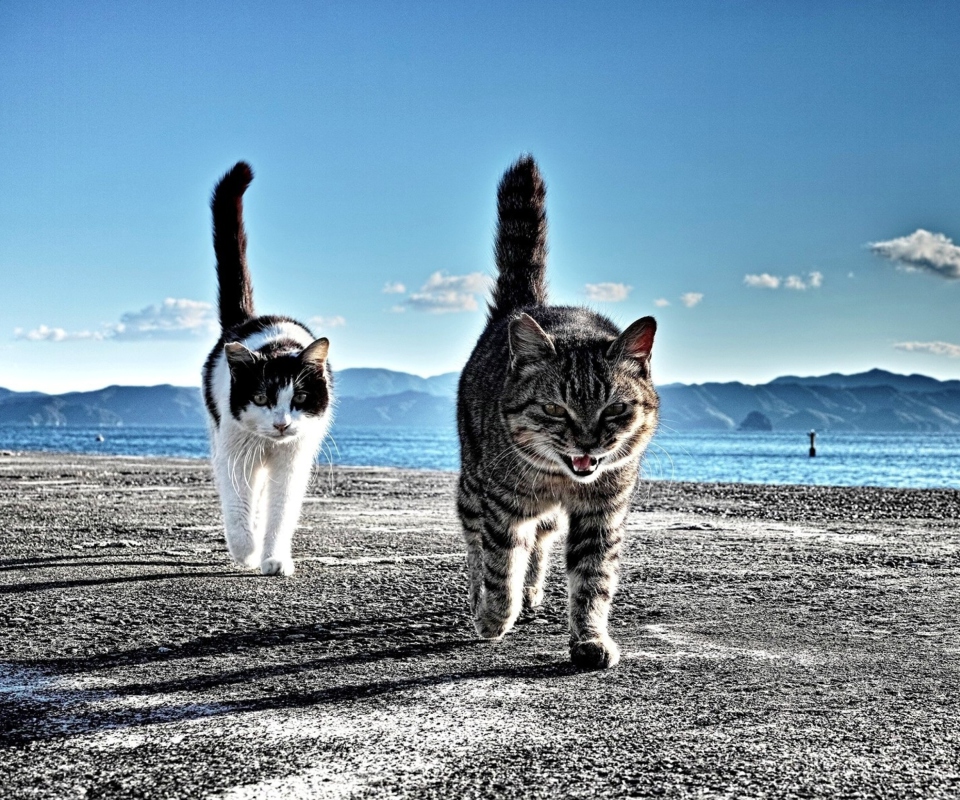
point(267, 387)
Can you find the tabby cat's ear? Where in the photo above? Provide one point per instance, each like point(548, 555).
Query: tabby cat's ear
point(636, 342)
point(237, 354)
point(316, 354)
point(528, 341)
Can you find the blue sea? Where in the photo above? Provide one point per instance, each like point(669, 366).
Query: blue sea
point(916, 460)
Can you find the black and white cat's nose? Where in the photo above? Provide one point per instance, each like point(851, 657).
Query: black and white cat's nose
point(281, 426)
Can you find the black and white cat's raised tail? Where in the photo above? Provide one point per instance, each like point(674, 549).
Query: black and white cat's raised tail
point(268, 392)
point(554, 409)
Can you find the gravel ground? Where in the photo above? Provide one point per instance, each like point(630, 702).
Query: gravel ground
point(778, 642)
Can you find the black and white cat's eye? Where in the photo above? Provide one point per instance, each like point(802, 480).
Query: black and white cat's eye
point(260, 399)
point(614, 409)
point(554, 410)
point(299, 398)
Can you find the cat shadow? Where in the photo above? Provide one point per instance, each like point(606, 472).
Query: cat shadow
point(77, 583)
point(74, 562)
point(408, 638)
point(238, 642)
point(39, 562)
point(72, 719)
point(395, 652)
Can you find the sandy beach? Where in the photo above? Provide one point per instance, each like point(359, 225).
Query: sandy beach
point(778, 642)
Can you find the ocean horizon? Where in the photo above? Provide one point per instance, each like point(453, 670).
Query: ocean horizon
point(896, 460)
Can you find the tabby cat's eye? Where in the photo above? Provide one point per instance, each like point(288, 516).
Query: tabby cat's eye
point(260, 399)
point(300, 397)
point(554, 410)
point(614, 409)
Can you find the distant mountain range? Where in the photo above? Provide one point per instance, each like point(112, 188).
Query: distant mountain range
point(116, 405)
point(365, 382)
point(913, 384)
point(869, 401)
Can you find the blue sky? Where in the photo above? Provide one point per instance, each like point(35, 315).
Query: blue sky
point(779, 184)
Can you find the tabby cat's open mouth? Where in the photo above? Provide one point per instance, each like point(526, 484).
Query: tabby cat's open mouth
point(581, 465)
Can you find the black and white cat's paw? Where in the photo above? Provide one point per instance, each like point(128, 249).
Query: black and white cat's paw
point(277, 566)
point(246, 558)
point(597, 653)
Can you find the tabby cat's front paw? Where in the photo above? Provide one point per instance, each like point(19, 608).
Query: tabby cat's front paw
point(277, 566)
point(532, 603)
point(532, 598)
point(599, 653)
point(491, 628)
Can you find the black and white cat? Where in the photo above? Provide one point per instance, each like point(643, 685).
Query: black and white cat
point(267, 387)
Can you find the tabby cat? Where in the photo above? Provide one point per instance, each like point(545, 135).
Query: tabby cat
point(555, 407)
point(267, 388)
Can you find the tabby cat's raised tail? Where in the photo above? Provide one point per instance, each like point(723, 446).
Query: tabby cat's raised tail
point(235, 295)
point(521, 249)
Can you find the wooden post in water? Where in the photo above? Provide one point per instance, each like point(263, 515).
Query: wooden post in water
point(813, 448)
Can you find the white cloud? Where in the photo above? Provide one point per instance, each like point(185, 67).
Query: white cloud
point(922, 250)
point(607, 292)
point(690, 299)
point(47, 334)
point(172, 319)
point(326, 322)
point(934, 348)
point(444, 293)
point(661, 303)
point(814, 280)
point(763, 281)
point(394, 287)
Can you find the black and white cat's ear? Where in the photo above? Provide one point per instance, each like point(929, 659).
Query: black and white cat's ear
point(238, 355)
point(635, 343)
point(528, 341)
point(316, 354)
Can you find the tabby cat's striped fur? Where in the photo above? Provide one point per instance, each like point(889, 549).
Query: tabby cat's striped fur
point(555, 407)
